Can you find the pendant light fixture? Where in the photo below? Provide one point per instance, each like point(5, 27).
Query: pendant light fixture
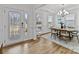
point(63, 12)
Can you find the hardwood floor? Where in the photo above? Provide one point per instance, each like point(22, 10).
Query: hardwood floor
point(41, 46)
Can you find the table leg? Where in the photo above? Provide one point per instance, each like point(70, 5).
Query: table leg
point(70, 36)
point(59, 33)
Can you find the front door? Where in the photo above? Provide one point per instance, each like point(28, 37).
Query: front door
point(16, 27)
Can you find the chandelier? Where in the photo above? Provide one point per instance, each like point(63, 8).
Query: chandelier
point(63, 12)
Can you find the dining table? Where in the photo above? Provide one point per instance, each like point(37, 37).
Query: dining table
point(59, 31)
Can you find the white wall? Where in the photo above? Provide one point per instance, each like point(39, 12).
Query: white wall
point(31, 19)
point(2, 31)
point(4, 21)
point(45, 14)
point(73, 9)
point(44, 18)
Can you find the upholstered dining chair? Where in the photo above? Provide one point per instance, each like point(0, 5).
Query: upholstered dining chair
point(54, 34)
point(75, 34)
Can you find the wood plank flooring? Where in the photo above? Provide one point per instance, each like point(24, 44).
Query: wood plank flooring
point(40, 46)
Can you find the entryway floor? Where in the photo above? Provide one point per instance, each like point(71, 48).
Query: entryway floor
point(72, 45)
point(39, 46)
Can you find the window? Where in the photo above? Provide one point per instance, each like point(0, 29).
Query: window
point(49, 21)
point(58, 21)
point(69, 21)
point(25, 16)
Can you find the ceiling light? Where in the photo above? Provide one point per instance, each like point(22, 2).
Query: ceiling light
point(63, 12)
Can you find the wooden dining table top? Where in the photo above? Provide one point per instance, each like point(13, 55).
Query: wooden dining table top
point(63, 29)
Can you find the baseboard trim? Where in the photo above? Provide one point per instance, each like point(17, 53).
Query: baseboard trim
point(14, 44)
point(44, 33)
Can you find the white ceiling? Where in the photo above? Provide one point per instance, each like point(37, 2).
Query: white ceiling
point(56, 7)
point(21, 6)
point(46, 7)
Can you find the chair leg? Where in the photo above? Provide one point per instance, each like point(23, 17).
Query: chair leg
point(54, 36)
point(77, 39)
point(51, 34)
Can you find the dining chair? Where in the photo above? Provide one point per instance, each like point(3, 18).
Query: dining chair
point(54, 34)
point(75, 34)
